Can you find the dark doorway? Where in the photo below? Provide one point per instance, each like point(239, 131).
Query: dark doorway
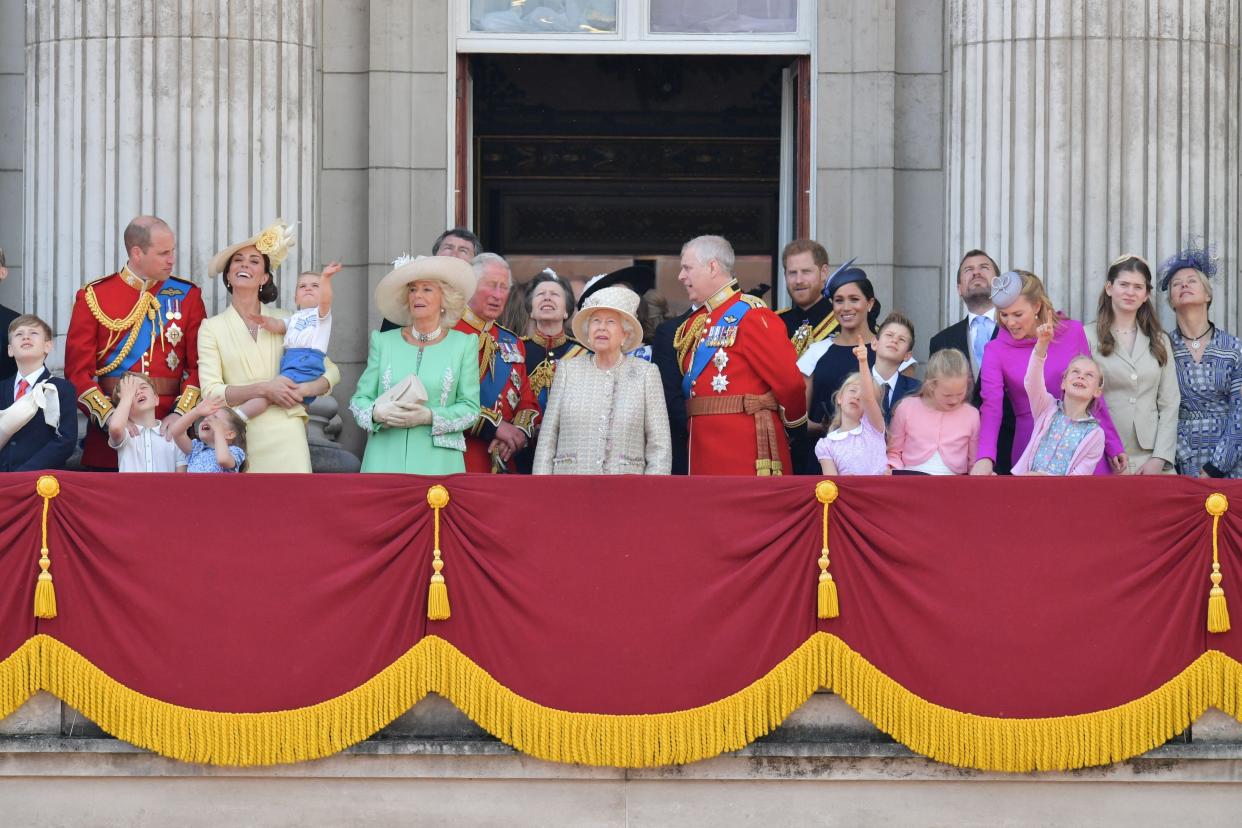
point(612, 158)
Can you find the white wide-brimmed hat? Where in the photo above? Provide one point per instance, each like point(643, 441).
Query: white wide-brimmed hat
point(392, 292)
point(618, 299)
point(274, 242)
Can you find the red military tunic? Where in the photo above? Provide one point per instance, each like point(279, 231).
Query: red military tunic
point(122, 323)
point(504, 391)
point(735, 428)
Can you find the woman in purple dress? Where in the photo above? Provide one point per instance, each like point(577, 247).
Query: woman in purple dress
point(1023, 305)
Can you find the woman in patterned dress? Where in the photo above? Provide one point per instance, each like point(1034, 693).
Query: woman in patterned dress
point(425, 296)
point(1209, 371)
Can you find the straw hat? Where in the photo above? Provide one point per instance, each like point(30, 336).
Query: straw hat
point(618, 299)
point(274, 242)
point(392, 292)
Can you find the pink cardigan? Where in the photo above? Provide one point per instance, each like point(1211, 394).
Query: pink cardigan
point(1043, 409)
point(918, 431)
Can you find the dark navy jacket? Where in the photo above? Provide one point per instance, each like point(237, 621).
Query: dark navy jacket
point(37, 446)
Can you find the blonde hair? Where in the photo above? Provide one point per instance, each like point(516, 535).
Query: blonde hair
point(1203, 280)
point(949, 363)
point(1081, 358)
point(855, 377)
point(116, 392)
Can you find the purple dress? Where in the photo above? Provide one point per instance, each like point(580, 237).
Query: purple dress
point(859, 451)
point(1004, 366)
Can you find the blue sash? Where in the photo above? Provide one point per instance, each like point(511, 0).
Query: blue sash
point(712, 343)
point(492, 381)
point(169, 297)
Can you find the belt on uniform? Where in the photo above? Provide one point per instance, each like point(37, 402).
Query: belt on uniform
point(164, 386)
point(767, 447)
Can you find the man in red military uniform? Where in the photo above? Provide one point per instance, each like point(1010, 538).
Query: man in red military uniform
point(740, 375)
point(142, 319)
point(509, 409)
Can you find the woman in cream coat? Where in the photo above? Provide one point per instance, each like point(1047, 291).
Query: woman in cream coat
point(238, 361)
point(606, 412)
point(1140, 377)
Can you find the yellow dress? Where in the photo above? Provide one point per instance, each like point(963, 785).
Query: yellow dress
point(227, 355)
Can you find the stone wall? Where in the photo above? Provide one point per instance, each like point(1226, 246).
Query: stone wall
point(825, 765)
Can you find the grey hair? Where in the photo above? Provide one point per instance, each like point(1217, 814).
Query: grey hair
point(712, 248)
point(483, 259)
point(627, 328)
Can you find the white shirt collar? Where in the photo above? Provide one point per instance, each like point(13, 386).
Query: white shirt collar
point(989, 314)
point(841, 434)
point(891, 382)
point(30, 379)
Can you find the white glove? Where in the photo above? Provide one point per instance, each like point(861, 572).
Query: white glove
point(401, 414)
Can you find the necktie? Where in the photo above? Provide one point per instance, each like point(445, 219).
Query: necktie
point(22, 388)
point(979, 336)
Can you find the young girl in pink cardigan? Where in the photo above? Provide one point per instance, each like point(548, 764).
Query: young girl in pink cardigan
point(1066, 438)
point(936, 432)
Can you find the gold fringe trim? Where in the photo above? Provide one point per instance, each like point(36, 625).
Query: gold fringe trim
point(434, 665)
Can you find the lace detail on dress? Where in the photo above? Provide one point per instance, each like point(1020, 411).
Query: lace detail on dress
point(362, 416)
point(446, 385)
point(386, 379)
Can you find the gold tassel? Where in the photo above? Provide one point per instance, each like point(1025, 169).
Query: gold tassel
point(826, 493)
point(437, 592)
point(1218, 610)
point(45, 593)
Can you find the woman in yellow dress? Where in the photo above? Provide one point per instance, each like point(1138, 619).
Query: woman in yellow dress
point(239, 361)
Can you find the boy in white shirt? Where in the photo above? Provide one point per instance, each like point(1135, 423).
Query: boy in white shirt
point(134, 430)
point(306, 335)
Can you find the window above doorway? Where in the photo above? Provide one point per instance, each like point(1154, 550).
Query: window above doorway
point(637, 26)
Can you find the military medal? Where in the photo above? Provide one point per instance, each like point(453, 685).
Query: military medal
point(172, 360)
point(173, 332)
point(801, 337)
point(720, 360)
point(719, 383)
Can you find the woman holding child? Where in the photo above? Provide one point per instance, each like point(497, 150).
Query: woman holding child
point(419, 393)
point(1022, 307)
point(239, 355)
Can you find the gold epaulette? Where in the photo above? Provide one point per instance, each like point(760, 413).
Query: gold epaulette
point(753, 301)
point(576, 350)
point(783, 311)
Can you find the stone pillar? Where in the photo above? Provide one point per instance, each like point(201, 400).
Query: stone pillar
point(204, 113)
point(1080, 131)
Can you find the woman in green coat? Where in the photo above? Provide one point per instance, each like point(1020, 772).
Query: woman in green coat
point(407, 434)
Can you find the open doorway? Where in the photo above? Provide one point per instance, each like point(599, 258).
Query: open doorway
point(587, 163)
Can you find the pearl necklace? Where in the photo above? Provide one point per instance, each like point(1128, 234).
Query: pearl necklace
point(419, 336)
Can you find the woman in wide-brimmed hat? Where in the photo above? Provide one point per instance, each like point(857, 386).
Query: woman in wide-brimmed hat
point(239, 360)
point(419, 393)
point(606, 412)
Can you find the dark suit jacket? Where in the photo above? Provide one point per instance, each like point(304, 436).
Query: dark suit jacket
point(665, 358)
point(957, 336)
point(8, 365)
point(905, 387)
point(37, 446)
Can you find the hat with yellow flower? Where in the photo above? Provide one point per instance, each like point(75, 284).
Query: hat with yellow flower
point(274, 242)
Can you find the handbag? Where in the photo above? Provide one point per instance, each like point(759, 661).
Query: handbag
point(408, 390)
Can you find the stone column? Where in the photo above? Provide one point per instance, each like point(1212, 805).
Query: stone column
point(204, 113)
point(1080, 131)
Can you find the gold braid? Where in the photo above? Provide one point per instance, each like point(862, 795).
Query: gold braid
point(687, 337)
point(147, 305)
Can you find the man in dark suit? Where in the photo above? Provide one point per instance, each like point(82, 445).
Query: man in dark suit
point(664, 355)
point(7, 366)
point(38, 412)
point(970, 334)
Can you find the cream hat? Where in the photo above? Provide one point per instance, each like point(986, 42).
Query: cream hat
point(392, 292)
point(618, 299)
point(274, 242)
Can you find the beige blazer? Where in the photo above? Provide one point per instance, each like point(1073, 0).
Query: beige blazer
point(1143, 397)
point(604, 422)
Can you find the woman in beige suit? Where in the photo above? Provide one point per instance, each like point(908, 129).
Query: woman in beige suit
point(606, 412)
point(1140, 378)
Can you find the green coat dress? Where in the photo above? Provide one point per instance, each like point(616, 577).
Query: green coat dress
point(450, 372)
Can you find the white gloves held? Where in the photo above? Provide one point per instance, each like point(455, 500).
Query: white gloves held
point(401, 414)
